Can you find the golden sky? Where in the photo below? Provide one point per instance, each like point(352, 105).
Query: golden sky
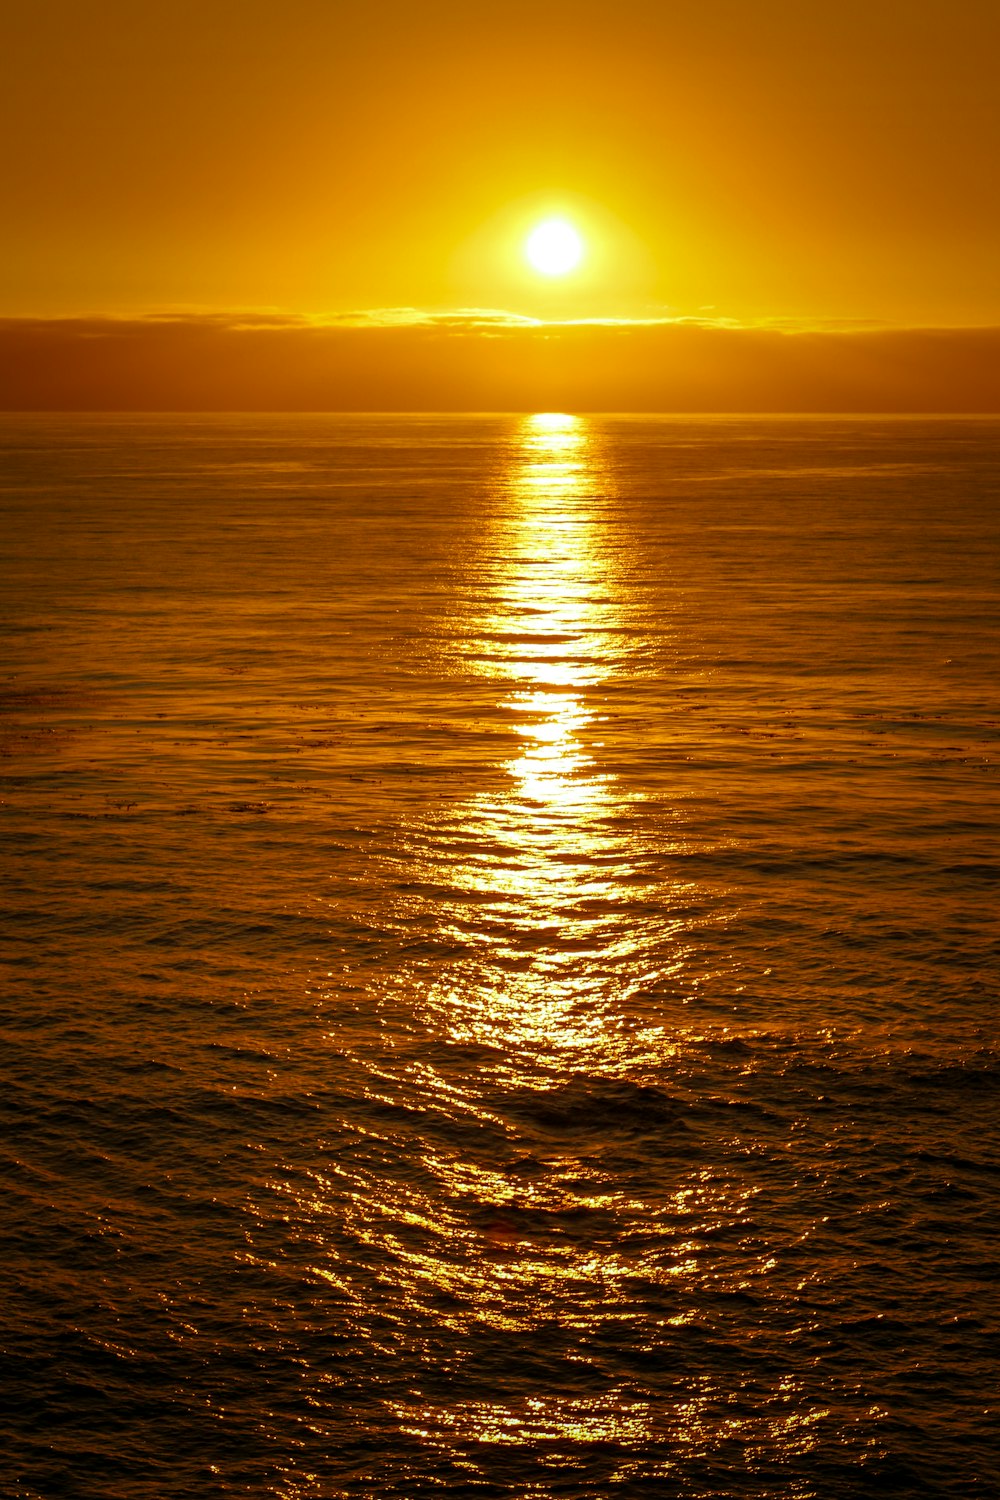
point(746, 160)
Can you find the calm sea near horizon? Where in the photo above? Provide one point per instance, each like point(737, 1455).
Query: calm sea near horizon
point(500, 949)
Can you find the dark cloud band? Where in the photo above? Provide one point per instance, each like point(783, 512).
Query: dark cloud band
point(486, 361)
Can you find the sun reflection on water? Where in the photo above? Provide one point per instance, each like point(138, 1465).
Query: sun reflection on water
point(546, 898)
point(520, 1202)
point(550, 610)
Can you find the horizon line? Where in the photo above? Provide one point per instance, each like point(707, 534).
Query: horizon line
point(512, 411)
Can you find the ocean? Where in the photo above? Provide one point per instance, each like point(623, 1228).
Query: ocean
point(500, 938)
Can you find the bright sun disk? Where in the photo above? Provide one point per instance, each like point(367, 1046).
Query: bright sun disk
point(554, 247)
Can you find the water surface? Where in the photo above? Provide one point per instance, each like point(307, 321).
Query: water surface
point(501, 939)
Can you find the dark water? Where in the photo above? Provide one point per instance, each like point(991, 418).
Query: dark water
point(501, 940)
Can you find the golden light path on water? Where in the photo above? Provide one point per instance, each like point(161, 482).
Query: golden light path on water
point(514, 1219)
point(552, 860)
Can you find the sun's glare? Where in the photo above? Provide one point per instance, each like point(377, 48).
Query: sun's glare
point(554, 247)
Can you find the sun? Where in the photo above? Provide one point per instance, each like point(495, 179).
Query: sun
point(554, 247)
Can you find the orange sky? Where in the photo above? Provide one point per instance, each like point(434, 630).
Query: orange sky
point(780, 159)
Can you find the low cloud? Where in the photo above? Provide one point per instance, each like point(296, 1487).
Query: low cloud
point(402, 359)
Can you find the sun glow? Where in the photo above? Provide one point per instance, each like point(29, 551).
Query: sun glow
point(554, 247)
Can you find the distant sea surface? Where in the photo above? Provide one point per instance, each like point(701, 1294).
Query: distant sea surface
point(500, 933)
